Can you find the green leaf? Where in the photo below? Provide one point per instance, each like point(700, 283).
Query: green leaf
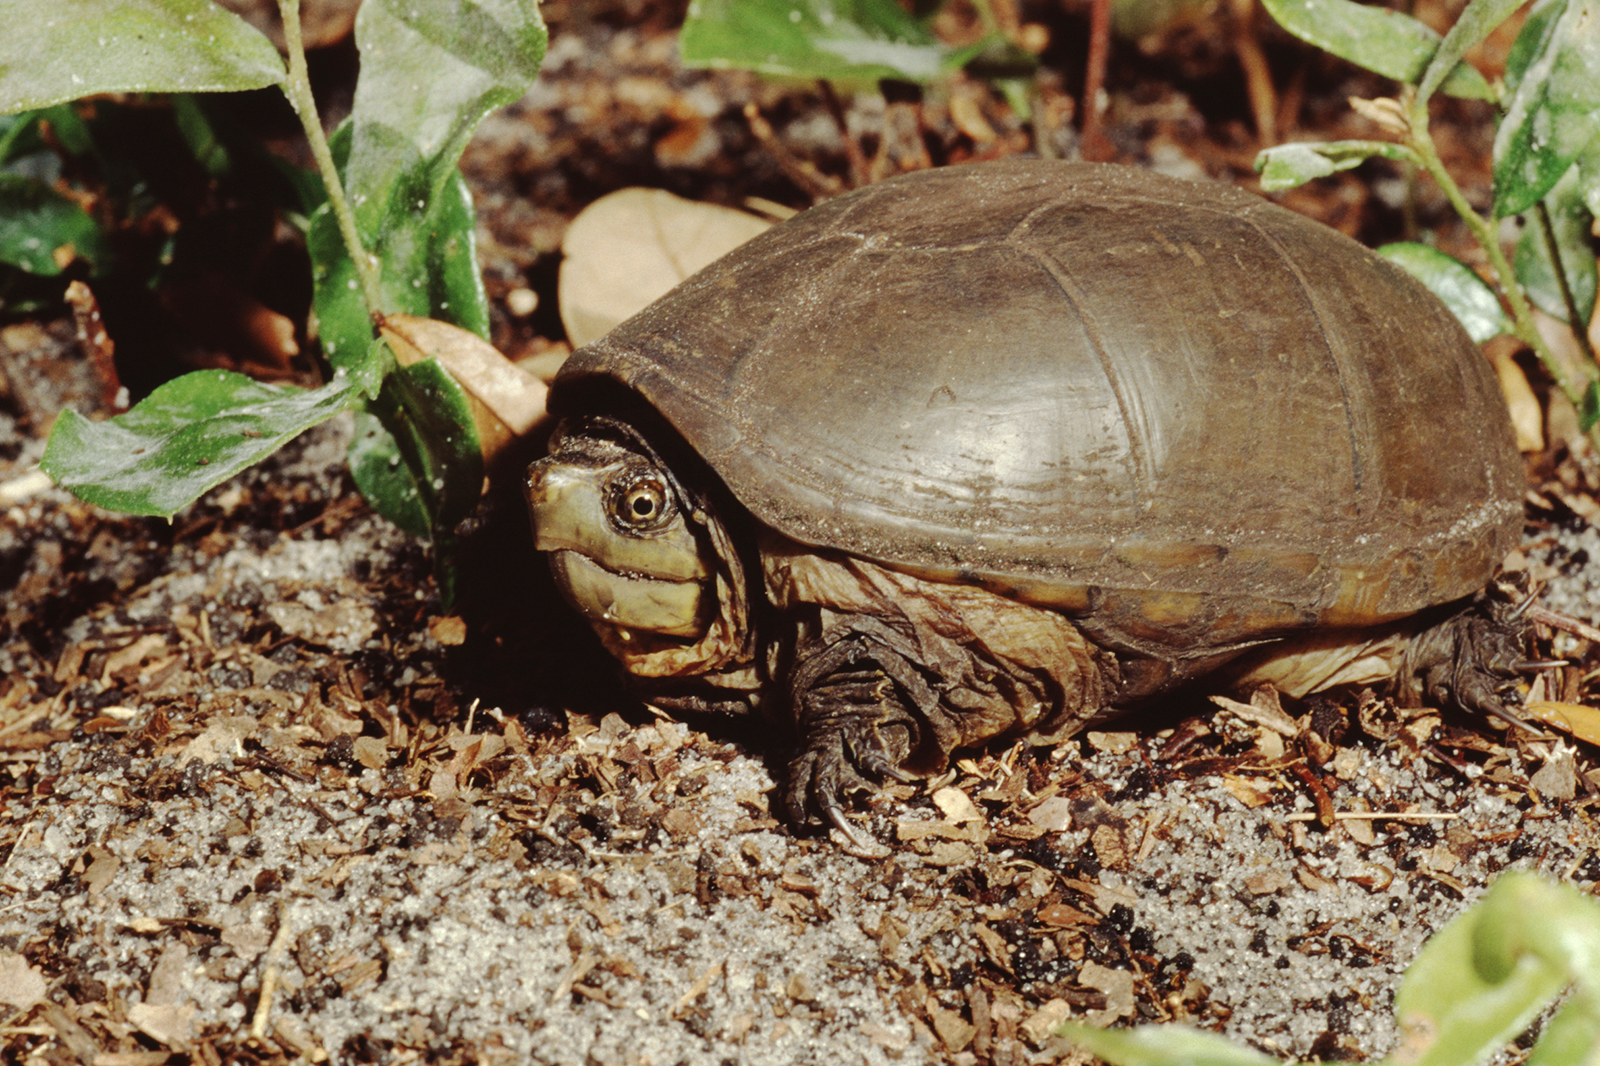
point(429, 420)
point(430, 71)
point(186, 437)
point(865, 40)
point(55, 50)
point(1477, 21)
point(1476, 985)
point(1570, 223)
point(1572, 1037)
point(1289, 165)
point(1471, 298)
point(1387, 42)
point(1589, 410)
point(37, 224)
point(385, 480)
point(1163, 1045)
point(1554, 113)
point(430, 268)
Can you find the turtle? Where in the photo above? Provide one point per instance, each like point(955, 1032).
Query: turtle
point(1004, 449)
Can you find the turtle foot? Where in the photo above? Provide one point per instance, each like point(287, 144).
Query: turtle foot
point(1472, 659)
point(856, 737)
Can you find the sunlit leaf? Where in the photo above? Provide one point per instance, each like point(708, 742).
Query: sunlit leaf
point(1570, 223)
point(1289, 165)
point(1553, 114)
point(55, 50)
point(837, 39)
point(1479, 19)
point(1376, 38)
point(1466, 294)
point(430, 71)
point(186, 437)
point(1475, 985)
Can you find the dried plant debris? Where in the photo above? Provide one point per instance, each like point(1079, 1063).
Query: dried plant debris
point(254, 812)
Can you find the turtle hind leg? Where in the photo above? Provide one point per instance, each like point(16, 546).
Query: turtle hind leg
point(863, 712)
point(1471, 659)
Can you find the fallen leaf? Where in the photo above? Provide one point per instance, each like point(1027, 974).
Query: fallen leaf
point(1558, 778)
point(1054, 814)
point(956, 806)
point(222, 737)
point(1267, 881)
point(449, 630)
point(1574, 718)
point(1042, 1023)
point(1118, 988)
point(21, 985)
point(1250, 791)
point(628, 248)
point(1111, 743)
point(955, 1032)
point(171, 1024)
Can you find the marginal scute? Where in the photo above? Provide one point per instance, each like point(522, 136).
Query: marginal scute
point(1176, 408)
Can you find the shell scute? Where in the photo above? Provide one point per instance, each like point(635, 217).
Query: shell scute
point(1096, 388)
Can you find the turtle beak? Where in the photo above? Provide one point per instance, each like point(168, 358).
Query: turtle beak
point(649, 583)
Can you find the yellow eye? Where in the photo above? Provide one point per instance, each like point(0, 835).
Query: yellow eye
point(641, 503)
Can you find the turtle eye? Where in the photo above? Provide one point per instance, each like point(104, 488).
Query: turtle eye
point(640, 503)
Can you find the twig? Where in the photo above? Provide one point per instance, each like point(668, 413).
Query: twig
point(269, 976)
point(1566, 623)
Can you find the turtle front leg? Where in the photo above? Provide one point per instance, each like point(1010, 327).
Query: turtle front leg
point(1470, 659)
point(863, 712)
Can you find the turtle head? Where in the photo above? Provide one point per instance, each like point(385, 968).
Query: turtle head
point(622, 547)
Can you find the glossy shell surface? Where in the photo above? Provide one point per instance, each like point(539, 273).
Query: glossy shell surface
point(1174, 405)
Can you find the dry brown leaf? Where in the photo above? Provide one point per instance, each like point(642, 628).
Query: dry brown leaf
point(1111, 743)
point(956, 806)
point(1118, 988)
point(629, 248)
point(1039, 1025)
point(1272, 879)
point(1262, 710)
point(135, 654)
point(448, 630)
point(102, 869)
point(21, 985)
point(222, 737)
point(1574, 718)
point(955, 1032)
point(951, 853)
point(1527, 414)
point(1054, 814)
point(171, 1024)
point(1251, 791)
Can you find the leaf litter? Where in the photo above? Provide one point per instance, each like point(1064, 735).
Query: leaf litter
point(241, 825)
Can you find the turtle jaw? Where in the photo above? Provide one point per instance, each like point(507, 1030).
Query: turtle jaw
point(622, 580)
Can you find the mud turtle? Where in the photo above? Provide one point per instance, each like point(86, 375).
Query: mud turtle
point(1003, 449)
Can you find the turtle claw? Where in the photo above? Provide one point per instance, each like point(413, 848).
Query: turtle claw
point(836, 764)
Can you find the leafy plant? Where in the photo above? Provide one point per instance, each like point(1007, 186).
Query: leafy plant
point(844, 40)
point(1479, 983)
point(431, 69)
point(1546, 159)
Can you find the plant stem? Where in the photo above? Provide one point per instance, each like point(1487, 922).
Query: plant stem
point(1559, 268)
point(298, 89)
point(1486, 230)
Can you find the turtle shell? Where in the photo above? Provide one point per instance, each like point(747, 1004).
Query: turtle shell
point(1174, 408)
